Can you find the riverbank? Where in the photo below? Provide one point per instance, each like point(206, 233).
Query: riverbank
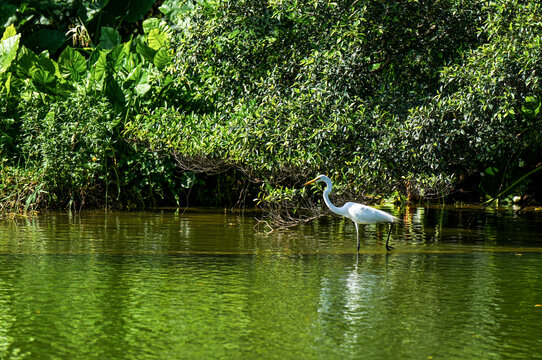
point(210, 106)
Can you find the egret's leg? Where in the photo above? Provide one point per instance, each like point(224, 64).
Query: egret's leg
point(388, 247)
point(357, 233)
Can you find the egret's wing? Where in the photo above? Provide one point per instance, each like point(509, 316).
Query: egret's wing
point(363, 214)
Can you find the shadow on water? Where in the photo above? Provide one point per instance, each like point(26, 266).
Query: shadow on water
point(202, 284)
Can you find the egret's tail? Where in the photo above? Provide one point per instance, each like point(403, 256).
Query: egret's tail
point(395, 219)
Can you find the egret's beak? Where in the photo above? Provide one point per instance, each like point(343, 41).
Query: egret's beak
point(310, 182)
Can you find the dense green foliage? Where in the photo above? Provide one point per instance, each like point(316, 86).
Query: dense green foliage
point(250, 98)
point(62, 123)
point(310, 87)
point(48, 25)
point(486, 117)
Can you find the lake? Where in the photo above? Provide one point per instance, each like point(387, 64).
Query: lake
point(211, 284)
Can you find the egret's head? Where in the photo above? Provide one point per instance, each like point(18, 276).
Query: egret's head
point(315, 180)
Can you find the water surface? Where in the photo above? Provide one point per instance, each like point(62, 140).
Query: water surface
point(205, 284)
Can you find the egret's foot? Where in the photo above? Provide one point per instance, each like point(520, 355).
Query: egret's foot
point(389, 248)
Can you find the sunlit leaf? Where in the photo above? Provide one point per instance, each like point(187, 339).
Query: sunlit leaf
point(8, 51)
point(100, 67)
point(157, 39)
point(143, 85)
point(9, 32)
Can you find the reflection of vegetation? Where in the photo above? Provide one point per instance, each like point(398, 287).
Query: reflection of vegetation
point(411, 100)
point(274, 305)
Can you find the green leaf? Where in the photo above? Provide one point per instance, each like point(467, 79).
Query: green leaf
point(63, 89)
point(7, 84)
point(172, 10)
point(6, 12)
point(137, 9)
point(72, 63)
point(100, 67)
point(27, 63)
point(8, 51)
point(94, 56)
point(142, 89)
point(115, 58)
point(44, 80)
point(114, 92)
point(46, 39)
point(109, 37)
point(143, 85)
point(233, 34)
point(10, 31)
point(157, 39)
point(162, 59)
point(491, 171)
point(134, 75)
point(149, 24)
point(91, 8)
point(188, 179)
point(47, 64)
point(531, 107)
point(145, 51)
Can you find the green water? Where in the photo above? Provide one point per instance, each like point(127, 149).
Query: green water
point(208, 285)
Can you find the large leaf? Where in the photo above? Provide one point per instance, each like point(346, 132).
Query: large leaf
point(115, 57)
point(162, 59)
point(157, 39)
point(6, 12)
point(8, 51)
point(91, 8)
point(100, 67)
point(27, 63)
point(7, 84)
point(44, 80)
point(143, 85)
point(114, 92)
point(109, 37)
point(133, 77)
point(72, 63)
point(137, 9)
point(174, 12)
point(94, 56)
point(45, 39)
point(64, 89)
point(9, 32)
point(47, 64)
point(145, 51)
point(149, 24)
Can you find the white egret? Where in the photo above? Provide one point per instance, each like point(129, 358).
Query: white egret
point(358, 213)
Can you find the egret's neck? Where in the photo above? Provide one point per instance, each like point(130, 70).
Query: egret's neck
point(327, 191)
